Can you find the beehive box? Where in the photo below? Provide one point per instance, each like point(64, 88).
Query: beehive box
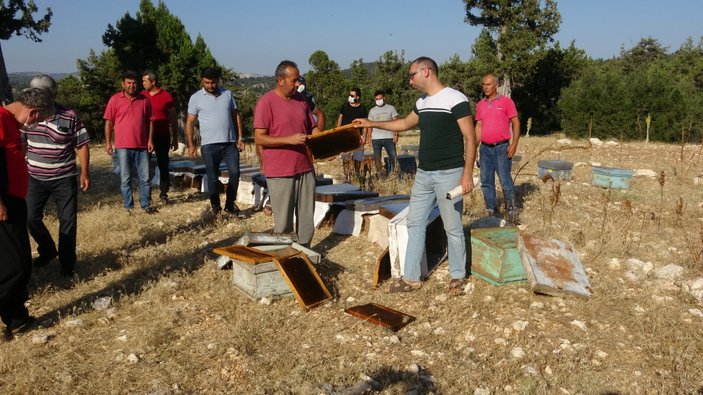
point(558, 169)
point(610, 177)
point(263, 279)
point(435, 243)
point(495, 257)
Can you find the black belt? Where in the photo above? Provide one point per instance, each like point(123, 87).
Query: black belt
point(495, 144)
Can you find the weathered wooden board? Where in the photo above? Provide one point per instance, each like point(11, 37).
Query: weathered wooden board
point(350, 222)
point(390, 210)
point(375, 203)
point(243, 253)
point(333, 142)
point(381, 315)
point(264, 238)
point(343, 196)
point(552, 266)
point(383, 269)
point(303, 280)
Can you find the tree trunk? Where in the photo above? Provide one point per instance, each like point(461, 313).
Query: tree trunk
point(5, 88)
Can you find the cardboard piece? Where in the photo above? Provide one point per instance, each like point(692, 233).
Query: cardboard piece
point(381, 316)
point(553, 267)
point(303, 280)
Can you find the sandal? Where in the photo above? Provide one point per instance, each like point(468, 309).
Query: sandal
point(456, 286)
point(403, 286)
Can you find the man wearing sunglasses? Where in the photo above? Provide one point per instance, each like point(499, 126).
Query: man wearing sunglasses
point(446, 158)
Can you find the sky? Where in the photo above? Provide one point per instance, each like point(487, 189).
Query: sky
point(254, 36)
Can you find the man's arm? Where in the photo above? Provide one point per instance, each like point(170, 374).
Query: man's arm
point(108, 136)
point(515, 121)
point(190, 125)
point(237, 116)
point(320, 118)
point(150, 142)
point(262, 138)
point(396, 125)
point(173, 120)
point(339, 120)
point(83, 153)
point(466, 124)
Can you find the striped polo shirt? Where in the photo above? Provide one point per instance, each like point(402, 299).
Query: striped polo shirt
point(441, 141)
point(52, 144)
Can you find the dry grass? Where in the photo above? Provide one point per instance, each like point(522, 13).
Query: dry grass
point(177, 325)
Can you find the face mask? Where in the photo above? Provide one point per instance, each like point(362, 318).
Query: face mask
point(379, 102)
point(351, 99)
point(28, 127)
point(301, 88)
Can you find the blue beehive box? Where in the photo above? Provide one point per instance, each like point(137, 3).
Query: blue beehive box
point(558, 169)
point(610, 177)
point(495, 257)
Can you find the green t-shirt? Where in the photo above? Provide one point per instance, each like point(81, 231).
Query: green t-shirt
point(441, 141)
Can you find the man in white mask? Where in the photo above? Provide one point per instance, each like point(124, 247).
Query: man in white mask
point(316, 112)
point(382, 138)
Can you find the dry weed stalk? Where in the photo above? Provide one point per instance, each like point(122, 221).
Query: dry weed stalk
point(606, 204)
point(662, 181)
point(680, 208)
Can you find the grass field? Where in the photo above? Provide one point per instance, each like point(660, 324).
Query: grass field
point(177, 325)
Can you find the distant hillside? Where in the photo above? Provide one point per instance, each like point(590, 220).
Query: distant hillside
point(21, 80)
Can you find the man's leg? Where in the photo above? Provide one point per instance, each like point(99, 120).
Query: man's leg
point(66, 200)
point(488, 177)
point(212, 156)
point(231, 158)
point(282, 203)
point(422, 200)
point(39, 192)
point(504, 165)
point(141, 157)
point(16, 267)
point(377, 147)
point(392, 155)
point(125, 157)
point(450, 210)
point(305, 208)
point(161, 146)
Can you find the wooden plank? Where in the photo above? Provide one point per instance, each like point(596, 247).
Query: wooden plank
point(334, 142)
point(390, 210)
point(383, 269)
point(263, 238)
point(245, 254)
point(552, 266)
point(303, 280)
point(343, 196)
point(381, 315)
point(375, 203)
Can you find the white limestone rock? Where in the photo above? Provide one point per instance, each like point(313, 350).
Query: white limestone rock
point(669, 272)
point(645, 173)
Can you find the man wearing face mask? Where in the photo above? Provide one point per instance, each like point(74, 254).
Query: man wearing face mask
point(319, 115)
point(381, 138)
point(351, 110)
point(33, 105)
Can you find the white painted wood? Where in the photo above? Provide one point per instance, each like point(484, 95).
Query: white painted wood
point(398, 242)
point(350, 222)
point(378, 230)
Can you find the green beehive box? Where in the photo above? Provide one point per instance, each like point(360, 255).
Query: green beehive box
point(495, 257)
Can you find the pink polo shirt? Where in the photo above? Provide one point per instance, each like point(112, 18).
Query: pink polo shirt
point(495, 116)
point(131, 120)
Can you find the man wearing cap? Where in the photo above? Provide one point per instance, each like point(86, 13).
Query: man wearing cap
point(52, 146)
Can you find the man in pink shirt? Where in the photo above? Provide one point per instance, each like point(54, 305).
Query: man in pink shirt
point(128, 113)
point(495, 114)
point(282, 122)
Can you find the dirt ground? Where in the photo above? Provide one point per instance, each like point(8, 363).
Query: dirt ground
point(175, 324)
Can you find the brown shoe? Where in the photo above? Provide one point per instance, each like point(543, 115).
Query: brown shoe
point(403, 286)
point(456, 286)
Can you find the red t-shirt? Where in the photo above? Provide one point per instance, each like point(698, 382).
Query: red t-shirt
point(14, 177)
point(283, 118)
point(495, 118)
point(131, 120)
point(161, 104)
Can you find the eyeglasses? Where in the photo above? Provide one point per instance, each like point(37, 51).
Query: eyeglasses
point(412, 75)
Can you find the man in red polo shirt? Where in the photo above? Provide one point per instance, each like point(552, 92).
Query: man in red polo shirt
point(33, 105)
point(163, 112)
point(495, 114)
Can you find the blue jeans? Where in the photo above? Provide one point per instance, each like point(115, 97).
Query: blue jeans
point(389, 145)
point(492, 160)
point(139, 158)
point(431, 188)
point(213, 155)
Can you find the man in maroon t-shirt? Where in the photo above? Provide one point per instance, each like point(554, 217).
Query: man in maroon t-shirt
point(32, 106)
point(163, 112)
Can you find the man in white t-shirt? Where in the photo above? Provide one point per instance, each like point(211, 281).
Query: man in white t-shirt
point(382, 138)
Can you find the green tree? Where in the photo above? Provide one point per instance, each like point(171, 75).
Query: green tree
point(518, 28)
point(326, 81)
point(17, 18)
point(390, 74)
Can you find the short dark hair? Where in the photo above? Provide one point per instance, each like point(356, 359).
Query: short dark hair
point(152, 75)
point(281, 68)
point(379, 92)
point(210, 73)
point(357, 90)
point(37, 99)
point(129, 75)
point(424, 61)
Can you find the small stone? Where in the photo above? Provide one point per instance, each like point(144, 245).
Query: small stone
point(614, 264)
point(595, 362)
point(441, 298)
point(351, 299)
point(668, 272)
point(74, 323)
point(517, 352)
point(132, 358)
point(548, 370)
point(40, 338)
point(500, 341)
point(695, 312)
point(265, 301)
point(530, 370)
point(102, 303)
point(601, 354)
point(537, 305)
point(211, 346)
point(482, 391)
point(418, 353)
point(564, 141)
point(508, 388)
point(394, 339)
point(579, 324)
point(414, 368)
point(564, 391)
point(519, 325)
point(439, 331)
point(639, 309)
point(111, 313)
point(122, 338)
point(469, 288)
